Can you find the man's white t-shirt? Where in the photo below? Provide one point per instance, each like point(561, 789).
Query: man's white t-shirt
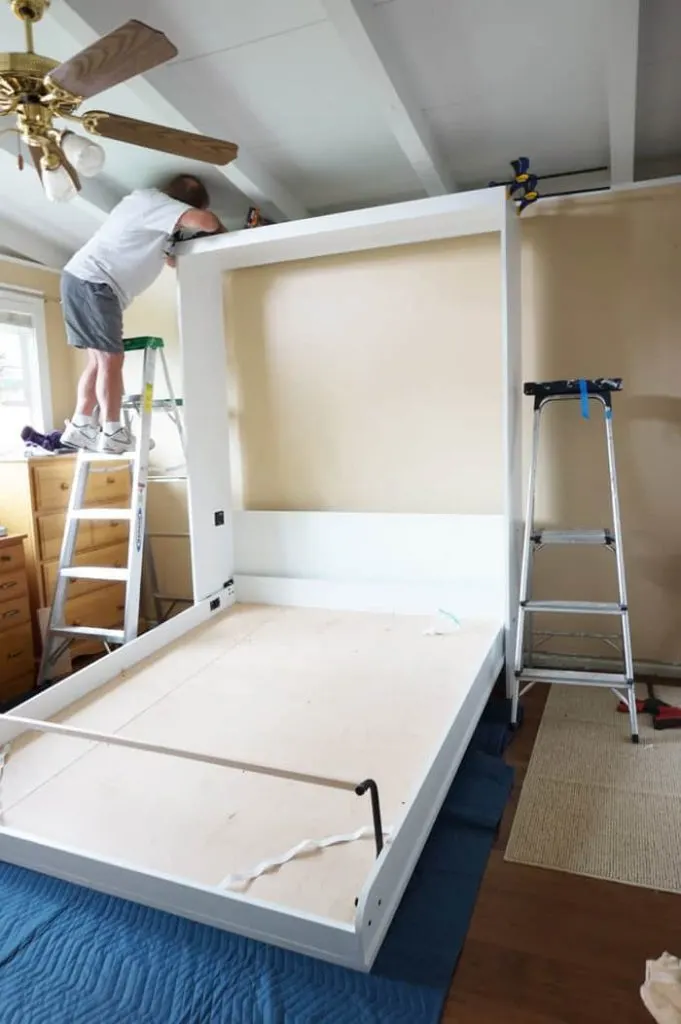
point(127, 252)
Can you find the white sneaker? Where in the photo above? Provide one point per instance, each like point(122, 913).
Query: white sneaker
point(80, 437)
point(117, 443)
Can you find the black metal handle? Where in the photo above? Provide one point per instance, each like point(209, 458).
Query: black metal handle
point(360, 790)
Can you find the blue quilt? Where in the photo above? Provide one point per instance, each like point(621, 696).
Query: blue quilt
point(72, 956)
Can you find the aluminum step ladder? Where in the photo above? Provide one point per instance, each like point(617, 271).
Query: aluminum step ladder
point(132, 406)
point(599, 390)
point(59, 634)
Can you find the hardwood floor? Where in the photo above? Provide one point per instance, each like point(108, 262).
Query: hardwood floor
point(545, 947)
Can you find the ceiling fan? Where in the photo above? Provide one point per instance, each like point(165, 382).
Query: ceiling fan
point(40, 91)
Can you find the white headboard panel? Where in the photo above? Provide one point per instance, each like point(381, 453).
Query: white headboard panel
point(374, 560)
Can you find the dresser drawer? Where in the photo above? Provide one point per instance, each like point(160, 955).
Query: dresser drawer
point(105, 607)
point(110, 486)
point(13, 584)
point(10, 689)
point(11, 557)
point(52, 483)
point(106, 533)
point(14, 612)
point(116, 555)
point(16, 652)
point(51, 533)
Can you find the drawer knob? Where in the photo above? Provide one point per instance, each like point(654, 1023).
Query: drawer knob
point(14, 654)
point(110, 480)
point(5, 558)
point(8, 585)
point(64, 486)
point(10, 614)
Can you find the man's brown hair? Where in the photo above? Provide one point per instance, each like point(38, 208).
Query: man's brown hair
point(188, 189)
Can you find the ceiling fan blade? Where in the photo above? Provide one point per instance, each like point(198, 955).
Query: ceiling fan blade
point(155, 136)
point(129, 50)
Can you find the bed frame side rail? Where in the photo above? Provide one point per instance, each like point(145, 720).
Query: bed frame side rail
point(385, 886)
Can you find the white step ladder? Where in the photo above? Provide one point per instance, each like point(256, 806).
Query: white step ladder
point(58, 633)
point(598, 390)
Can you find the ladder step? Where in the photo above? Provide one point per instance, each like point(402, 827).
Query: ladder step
point(554, 675)
point(595, 537)
point(572, 387)
point(116, 636)
point(96, 572)
point(575, 607)
point(102, 513)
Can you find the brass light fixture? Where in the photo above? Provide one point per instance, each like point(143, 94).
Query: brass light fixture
point(39, 91)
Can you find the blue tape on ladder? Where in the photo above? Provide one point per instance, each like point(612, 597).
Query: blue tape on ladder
point(584, 395)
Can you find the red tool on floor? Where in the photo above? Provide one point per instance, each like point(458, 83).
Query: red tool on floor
point(665, 716)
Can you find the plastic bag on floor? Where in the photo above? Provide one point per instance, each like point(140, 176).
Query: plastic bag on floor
point(661, 991)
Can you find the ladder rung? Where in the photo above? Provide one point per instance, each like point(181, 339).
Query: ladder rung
point(116, 636)
point(575, 607)
point(96, 572)
point(102, 513)
point(546, 537)
point(554, 675)
point(165, 479)
point(174, 599)
point(168, 536)
point(106, 456)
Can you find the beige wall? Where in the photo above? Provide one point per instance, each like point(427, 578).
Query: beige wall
point(63, 367)
point(371, 382)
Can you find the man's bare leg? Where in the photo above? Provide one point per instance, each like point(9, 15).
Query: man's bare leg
point(114, 437)
point(86, 402)
point(110, 389)
point(82, 430)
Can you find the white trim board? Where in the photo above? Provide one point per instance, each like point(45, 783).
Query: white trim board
point(369, 546)
point(30, 265)
point(420, 220)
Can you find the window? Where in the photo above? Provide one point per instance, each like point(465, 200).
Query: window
point(24, 371)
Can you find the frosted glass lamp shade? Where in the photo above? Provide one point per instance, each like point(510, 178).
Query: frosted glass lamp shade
point(58, 185)
point(86, 157)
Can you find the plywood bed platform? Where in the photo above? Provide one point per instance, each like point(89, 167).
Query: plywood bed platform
point(336, 693)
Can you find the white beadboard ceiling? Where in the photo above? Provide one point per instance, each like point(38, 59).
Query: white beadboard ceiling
point(337, 104)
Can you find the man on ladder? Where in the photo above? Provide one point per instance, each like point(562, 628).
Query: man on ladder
point(121, 260)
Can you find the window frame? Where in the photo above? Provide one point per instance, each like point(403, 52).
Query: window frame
point(33, 305)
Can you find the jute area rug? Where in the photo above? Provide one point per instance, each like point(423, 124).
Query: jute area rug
point(592, 802)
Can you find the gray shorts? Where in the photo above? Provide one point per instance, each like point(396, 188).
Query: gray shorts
point(92, 315)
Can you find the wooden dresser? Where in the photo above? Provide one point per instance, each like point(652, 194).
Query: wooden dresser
point(17, 654)
point(34, 494)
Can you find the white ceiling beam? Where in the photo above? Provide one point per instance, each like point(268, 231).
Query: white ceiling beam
point(246, 173)
point(31, 245)
point(96, 198)
point(621, 41)
point(357, 24)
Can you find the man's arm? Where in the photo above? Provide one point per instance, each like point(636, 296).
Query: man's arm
point(202, 221)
